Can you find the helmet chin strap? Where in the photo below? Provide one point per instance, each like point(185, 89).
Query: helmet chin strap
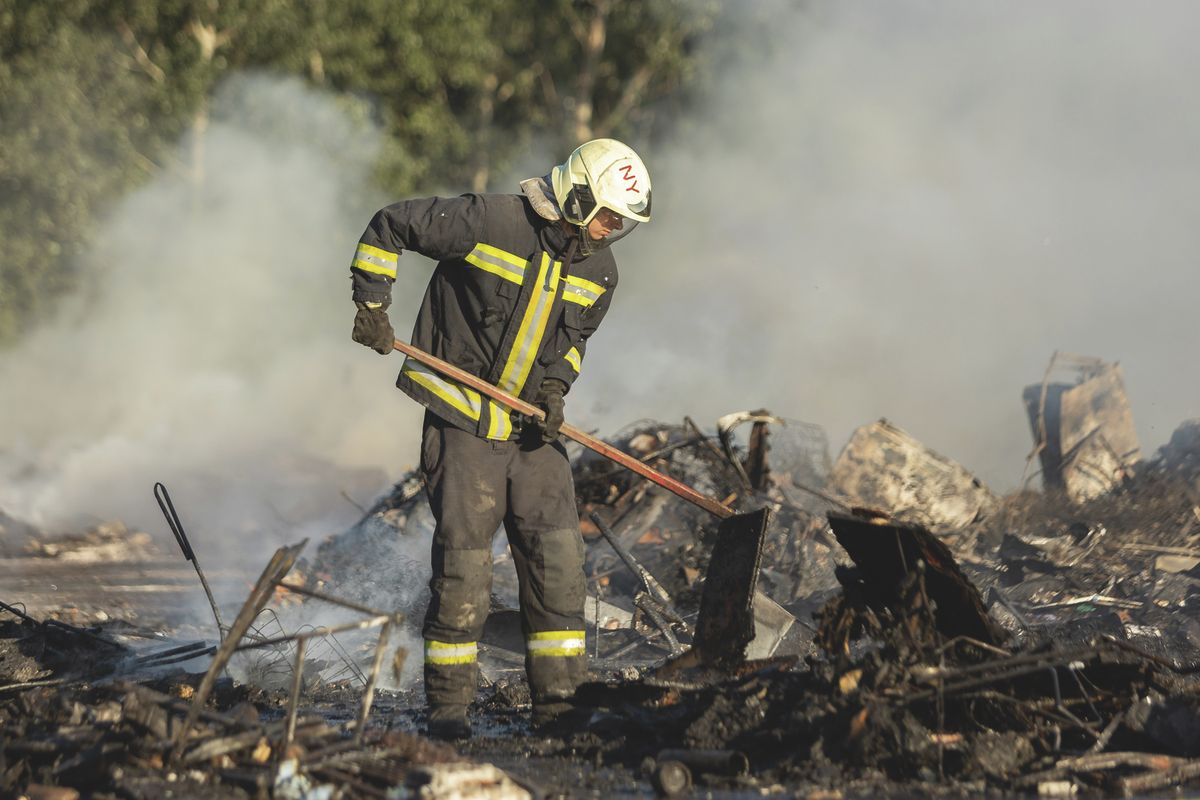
point(569, 257)
point(586, 245)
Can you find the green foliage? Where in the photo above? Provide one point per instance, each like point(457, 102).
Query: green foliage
point(75, 124)
point(94, 96)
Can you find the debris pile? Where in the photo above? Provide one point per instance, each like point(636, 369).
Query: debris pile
point(885, 622)
point(80, 711)
point(914, 684)
point(110, 541)
point(119, 737)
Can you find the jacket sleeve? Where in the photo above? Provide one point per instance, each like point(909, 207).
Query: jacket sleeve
point(436, 227)
point(566, 369)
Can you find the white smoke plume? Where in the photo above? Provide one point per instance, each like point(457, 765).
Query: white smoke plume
point(903, 212)
point(906, 210)
point(212, 350)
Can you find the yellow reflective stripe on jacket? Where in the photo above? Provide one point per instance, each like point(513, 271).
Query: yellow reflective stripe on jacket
point(498, 262)
point(465, 400)
point(533, 326)
point(499, 421)
point(450, 653)
point(373, 259)
point(582, 291)
point(573, 359)
point(556, 643)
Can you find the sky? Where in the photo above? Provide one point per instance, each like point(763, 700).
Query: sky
point(892, 210)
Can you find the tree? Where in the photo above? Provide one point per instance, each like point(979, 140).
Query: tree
point(77, 127)
point(96, 94)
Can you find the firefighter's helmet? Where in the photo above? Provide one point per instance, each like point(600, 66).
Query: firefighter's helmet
point(602, 174)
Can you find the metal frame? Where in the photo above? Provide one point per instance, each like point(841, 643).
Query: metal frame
point(272, 578)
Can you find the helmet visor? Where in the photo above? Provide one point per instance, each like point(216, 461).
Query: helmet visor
point(606, 227)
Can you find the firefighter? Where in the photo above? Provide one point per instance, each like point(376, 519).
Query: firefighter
point(522, 282)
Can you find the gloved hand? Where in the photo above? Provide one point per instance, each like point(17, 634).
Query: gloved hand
point(373, 328)
point(549, 398)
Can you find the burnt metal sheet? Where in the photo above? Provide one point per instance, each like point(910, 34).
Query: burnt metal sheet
point(885, 552)
point(884, 467)
point(1083, 432)
point(726, 622)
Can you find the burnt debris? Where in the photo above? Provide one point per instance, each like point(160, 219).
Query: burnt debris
point(889, 625)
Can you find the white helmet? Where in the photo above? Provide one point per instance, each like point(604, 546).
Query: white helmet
point(602, 173)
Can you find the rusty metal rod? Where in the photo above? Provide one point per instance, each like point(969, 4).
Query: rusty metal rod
point(294, 700)
point(337, 601)
point(369, 691)
point(176, 526)
point(652, 586)
point(651, 609)
point(176, 659)
point(190, 647)
point(373, 622)
point(681, 489)
point(24, 617)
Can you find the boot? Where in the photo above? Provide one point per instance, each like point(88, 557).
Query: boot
point(546, 714)
point(559, 719)
point(449, 723)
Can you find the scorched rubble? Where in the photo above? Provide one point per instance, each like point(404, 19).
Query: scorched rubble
point(916, 633)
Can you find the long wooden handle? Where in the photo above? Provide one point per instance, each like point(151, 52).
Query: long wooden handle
point(570, 431)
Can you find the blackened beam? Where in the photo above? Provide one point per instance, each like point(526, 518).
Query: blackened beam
point(369, 689)
point(280, 564)
point(337, 601)
point(315, 633)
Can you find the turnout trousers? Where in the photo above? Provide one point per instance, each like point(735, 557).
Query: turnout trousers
point(474, 486)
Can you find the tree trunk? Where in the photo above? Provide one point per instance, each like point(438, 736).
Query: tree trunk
point(483, 137)
point(591, 40)
point(209, 39)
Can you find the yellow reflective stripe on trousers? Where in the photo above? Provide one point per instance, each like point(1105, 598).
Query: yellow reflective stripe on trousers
point(582, 291)
point(450, 653)
point(573, 359)
point(498, 262)
point(556, 643)
point(465, 400)
point(499, 421)
point(533, 326)
point(373, 259)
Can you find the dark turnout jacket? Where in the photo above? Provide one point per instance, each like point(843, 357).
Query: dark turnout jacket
point(501, 304)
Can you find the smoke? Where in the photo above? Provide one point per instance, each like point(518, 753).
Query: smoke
point(905, 210)
point(212, 350)
point(899, 210)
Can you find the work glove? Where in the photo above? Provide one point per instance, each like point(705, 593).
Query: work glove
point(549, 398)
point(373, 328)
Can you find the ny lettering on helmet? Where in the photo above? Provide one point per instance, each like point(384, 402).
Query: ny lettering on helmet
point(602, 173)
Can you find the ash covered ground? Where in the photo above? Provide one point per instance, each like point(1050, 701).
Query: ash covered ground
point(912, 634)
